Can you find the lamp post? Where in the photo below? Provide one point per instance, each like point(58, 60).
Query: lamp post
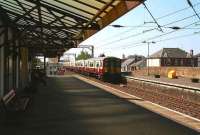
point(148, 43)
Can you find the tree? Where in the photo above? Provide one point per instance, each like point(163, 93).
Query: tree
point(83, 56)
point(102, 55)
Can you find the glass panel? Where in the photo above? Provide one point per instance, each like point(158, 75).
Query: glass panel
point(28, 7)
point(57, 23)
point(11, 4)
point(65, 8)
point(70, 19)
point(22, 22)
point(81, 6)
point(27, 3)
point(46, 13)
point(93, 3)
point(13, 9)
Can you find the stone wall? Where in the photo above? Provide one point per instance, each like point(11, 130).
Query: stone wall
point(189, 72)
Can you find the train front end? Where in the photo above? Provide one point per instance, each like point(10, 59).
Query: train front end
point(112, 69)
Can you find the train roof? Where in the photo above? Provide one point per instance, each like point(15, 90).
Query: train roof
point(101, 58)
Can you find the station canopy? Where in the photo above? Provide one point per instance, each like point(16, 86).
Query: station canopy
point(54, 26)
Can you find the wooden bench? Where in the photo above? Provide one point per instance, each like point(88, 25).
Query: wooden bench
point(12, 102)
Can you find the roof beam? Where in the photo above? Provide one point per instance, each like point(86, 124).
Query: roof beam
point(54, 27)
point(88, 5)
point(82, 10)
point(123, 7)
point(24, 15)
point(25, 10)
point(40, 19)
point(59, 10)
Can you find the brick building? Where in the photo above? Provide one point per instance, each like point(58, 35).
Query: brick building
point(172, 57)
point(198, 59)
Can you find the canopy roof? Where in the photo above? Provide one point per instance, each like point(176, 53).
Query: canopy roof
point(61, 24)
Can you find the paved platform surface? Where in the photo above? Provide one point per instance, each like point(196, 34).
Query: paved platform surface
point(68, 106)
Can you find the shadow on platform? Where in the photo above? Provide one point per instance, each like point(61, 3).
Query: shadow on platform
point(68, 106)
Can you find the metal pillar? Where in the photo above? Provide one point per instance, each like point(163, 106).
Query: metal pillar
point(148, 59)
point(148, 43)
point(1, 71)
point(45, 63)
point(17, 70)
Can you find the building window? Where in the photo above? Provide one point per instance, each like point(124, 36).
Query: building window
point(176, 62)
point(169, 62)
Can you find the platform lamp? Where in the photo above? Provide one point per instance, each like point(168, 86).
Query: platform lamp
point(148, 43)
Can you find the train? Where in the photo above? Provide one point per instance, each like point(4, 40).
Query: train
point(107, 69)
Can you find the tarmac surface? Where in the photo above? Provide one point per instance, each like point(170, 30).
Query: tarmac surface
point(68, 106)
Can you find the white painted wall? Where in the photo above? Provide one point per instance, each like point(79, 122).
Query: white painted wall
point(153, 62)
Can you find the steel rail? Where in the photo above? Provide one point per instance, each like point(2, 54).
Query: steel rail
point(195, 89)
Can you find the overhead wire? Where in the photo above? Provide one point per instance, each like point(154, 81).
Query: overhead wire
point(141, 33)
point(183, 28)
point(142, 25)
point(177, 11)
point(155, 37)
point(156, 22)
point(167, 39)
point(190, 4)
point(177, 37)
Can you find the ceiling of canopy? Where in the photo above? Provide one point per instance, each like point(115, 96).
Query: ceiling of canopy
point(57, 25)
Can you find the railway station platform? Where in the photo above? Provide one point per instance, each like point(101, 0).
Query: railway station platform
point(70, 106)
point(178, 81)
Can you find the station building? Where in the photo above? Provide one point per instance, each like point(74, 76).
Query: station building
point(198, 58)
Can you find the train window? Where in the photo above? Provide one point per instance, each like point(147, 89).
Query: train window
point(97, 65)
point(112, 64)
point(91, 64)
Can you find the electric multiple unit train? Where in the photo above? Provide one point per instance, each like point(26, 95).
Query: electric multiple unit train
point(104, 68)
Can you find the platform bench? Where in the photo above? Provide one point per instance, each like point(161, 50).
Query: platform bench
point(12, 102)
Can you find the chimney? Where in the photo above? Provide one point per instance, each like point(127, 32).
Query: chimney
point(191, 53)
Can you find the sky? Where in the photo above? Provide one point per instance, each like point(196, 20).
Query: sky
point(138, 25)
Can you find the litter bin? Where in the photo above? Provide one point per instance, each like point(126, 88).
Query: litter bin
point(172, 74)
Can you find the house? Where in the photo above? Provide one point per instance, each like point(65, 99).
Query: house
point(198, 59)
point(172, 57)
point(139, 65)
point(126, 65)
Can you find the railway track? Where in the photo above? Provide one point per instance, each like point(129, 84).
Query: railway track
point(173, 100)
point(178, 86)
point(154, 91)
